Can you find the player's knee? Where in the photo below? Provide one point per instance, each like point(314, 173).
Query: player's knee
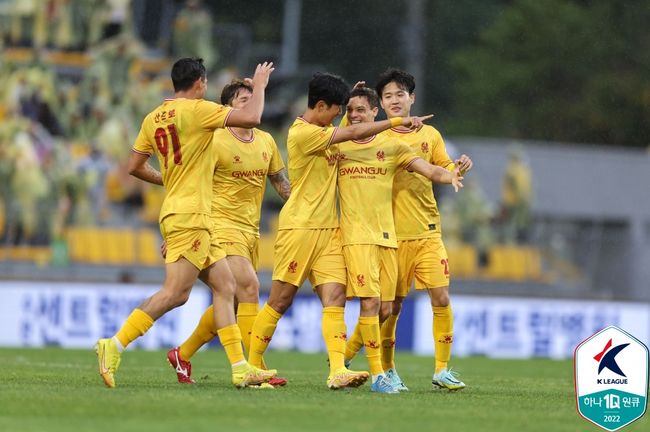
point(226, 287)
point(439, 297)
point(397, 305)
point(280, 304)
point(370, 306)
point(248, 292)
point(177, 298)
point(384, 311)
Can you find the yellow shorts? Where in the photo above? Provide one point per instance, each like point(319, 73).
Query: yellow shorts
point(240, 243)
point(372, 271)
point(424, 260)
point(187, 235)
point(309, 253)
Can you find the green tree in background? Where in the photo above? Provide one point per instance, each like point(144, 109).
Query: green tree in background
point(558, 70)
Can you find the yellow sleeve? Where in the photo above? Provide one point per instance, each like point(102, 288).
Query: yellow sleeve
point(142, 144)
point(212, 115)
point(439, 154)
point(312, 138)
point(405, 155)
point(277, 164)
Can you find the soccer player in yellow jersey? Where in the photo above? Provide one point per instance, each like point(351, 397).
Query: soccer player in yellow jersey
point(365, 182)
point(244, 159)
point(421, 254)
point(308, 243)
point(180, 133)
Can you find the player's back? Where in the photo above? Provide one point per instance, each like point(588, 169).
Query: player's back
point(312, 166)
point(179, 132)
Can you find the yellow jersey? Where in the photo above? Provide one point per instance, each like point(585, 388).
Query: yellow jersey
point(240, 178)
point(366, 172)
point(312, 163)
point(414, 206)
point(180, 132)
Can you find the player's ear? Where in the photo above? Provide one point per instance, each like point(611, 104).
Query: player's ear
point(375, 111)
point(412, 96)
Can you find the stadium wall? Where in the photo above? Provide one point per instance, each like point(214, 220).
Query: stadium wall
point(75, 315)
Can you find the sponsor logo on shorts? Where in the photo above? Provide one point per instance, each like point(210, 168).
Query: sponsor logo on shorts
point(424, 147)
point(293, 266)
point(196, 244)
point(381, 156)
point(361, 280)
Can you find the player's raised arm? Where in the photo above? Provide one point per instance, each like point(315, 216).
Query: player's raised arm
point(138, 166)
point(364, 130)
point(437, 174)
point(251, 115)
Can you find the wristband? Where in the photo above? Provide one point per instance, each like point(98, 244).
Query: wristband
point(396, 121)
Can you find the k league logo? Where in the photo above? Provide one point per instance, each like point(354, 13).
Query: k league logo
point(611, 378)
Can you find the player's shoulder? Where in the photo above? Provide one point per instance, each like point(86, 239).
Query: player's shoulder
point(263, 135)
point(430, 130)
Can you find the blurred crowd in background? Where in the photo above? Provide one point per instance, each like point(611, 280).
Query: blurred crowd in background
point(68, 122)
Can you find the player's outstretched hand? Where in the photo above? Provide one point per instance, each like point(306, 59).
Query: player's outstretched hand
point(457, 180)
point(415, 123)
point(464, 163)
point(262, 73)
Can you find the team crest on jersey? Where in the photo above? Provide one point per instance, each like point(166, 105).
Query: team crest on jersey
point(196, 244)
point(361, 280)
point(293, 266)
point(265, 157)
point(424, 147)
point(381, 156)
point(236, 159)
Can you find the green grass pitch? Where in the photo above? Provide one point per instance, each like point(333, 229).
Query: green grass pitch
point(60, 390)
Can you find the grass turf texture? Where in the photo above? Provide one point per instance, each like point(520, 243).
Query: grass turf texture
point(60, 390)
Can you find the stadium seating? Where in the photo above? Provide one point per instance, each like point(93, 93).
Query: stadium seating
point(515, 263)
point(111, 246)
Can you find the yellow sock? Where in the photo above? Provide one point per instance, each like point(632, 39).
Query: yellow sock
point(334, 334)
point(369, 327)
point(204, 332)
point(261, 334)
point(230, 337)
point(388, 329)
point(354, 344)
point(246, 313)
point(443, 334)
point(135, 326)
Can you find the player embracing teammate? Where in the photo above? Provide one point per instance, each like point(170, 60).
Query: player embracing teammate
point(310, 245)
